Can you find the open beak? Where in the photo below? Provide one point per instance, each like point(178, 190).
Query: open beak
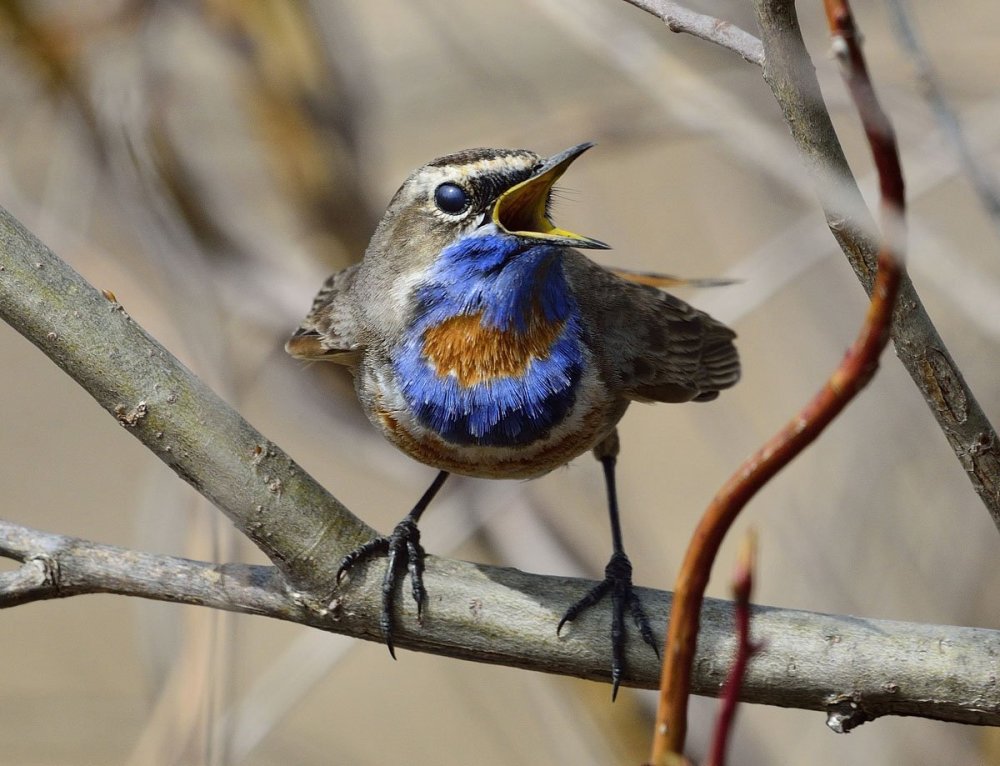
point(522, 209)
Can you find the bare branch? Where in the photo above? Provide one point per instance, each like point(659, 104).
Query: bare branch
point(507, 617)
point(681, 19)
point(745, 649)
point(853, 373)
point(301, 527)
point(789, 72)
point(55, 566)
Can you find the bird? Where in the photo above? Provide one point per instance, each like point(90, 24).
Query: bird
point(484, 343)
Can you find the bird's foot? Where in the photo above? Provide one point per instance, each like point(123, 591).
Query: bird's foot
point(403, 550)
point(618, 582)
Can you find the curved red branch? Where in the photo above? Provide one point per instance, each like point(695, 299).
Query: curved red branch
point(853, 373)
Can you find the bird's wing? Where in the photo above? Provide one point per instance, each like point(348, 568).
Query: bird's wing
point(653, 346)
point(329, 331)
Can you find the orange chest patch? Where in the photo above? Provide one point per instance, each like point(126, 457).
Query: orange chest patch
point(462, 347)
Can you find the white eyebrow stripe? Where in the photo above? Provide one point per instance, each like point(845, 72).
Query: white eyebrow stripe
point(508, 164)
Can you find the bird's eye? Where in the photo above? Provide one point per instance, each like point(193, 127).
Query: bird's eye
point(451, 199)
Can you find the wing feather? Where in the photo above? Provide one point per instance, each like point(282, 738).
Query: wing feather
point(655, 347)
point(329, 331)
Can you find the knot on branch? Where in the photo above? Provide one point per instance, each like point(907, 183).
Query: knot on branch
point(846, 712)
point(37, 573)
point(131, 418)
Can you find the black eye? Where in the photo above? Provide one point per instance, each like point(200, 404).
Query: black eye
point(451, 198)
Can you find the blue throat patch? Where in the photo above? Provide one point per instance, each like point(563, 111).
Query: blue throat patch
point(495, 353)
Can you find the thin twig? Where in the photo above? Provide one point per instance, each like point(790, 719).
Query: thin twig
point(722, 33)
point(983, 182)
point(745, 649)
point(852, 375)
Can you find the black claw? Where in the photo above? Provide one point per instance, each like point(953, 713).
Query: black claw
point(403, 552)
point(362, 552)
point(388, 596)
point(591, 597)
point(642, 622)
point(618, 582)
point(415, 565)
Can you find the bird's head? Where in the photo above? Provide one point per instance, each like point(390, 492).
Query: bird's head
point(479, 208)
point(474, 193)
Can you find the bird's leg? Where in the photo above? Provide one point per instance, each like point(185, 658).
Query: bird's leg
point(617, 578)
point(403, 549)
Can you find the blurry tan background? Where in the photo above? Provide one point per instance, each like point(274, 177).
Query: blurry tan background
point(210, 161)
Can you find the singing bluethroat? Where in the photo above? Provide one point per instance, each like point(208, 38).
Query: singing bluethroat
point(483, 343)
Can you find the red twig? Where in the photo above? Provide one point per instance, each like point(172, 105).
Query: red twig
point(745, 649)
point(854, 372)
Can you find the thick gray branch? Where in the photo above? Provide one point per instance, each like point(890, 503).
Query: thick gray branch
point(855, 669)
point(301, 527)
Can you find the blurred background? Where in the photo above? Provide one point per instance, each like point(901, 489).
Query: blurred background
point(211, 161)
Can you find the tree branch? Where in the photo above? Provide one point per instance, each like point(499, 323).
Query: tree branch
point(983, 182)
point(742, 585)
point(301, 527)
point(503, 616)
point(789, 72)
point(681, 19)
point(853, 373)
point(54, 566)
